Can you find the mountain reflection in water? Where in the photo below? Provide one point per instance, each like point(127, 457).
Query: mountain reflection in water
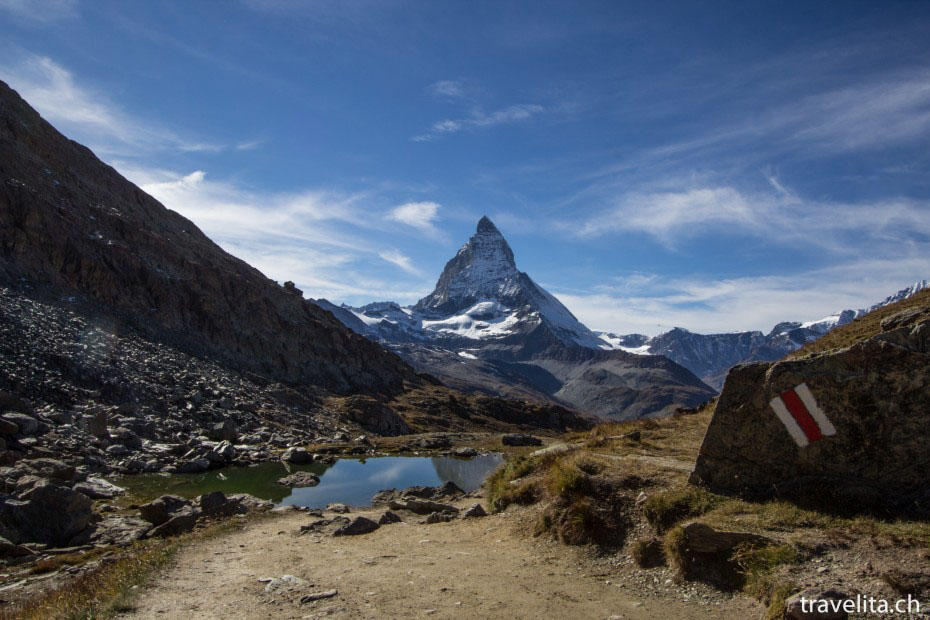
point(349, 481)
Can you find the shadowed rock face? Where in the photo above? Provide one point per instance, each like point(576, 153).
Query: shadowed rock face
point(875, 393)
point(72, 226)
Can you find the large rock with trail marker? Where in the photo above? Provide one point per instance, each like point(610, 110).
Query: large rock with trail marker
point(850, 426)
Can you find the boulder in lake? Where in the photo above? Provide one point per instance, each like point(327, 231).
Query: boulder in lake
point(847, 427)
point(300, 479)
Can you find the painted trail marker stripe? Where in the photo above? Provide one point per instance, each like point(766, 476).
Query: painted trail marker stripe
point(788, 420)
point(826, 427)
point(803, 418)
point(801, 415)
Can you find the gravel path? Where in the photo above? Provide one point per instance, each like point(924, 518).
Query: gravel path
point(475, 568)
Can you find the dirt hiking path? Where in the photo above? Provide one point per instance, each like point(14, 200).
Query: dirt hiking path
point(469, 568)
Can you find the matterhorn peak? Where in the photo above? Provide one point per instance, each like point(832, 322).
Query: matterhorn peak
point(485, 225)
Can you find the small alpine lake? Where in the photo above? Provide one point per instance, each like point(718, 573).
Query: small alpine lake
point(351, 481)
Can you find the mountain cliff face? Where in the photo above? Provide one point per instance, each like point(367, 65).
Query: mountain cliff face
point(710, 356)
point(489, 327)
point(73, 226)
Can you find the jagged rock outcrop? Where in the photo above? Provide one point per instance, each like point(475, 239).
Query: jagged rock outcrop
point(855, 436)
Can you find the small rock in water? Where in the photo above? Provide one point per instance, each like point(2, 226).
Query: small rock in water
point(340, 508)
point(300, 479)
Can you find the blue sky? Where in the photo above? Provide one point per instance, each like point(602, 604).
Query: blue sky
point(718, 166)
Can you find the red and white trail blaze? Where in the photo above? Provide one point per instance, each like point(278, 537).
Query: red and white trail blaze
point(798, 411)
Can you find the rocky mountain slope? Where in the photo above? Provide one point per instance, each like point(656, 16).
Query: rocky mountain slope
point(72, 226)
point(710, 356)
point(134, 343)
point(489, 327)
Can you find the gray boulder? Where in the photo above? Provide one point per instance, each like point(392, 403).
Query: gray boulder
point(194, 466)
point(421, 506)
point(227, 430)
point(98, 488)
point(217, 504)
point(175, 526)
point(520, 439)
point(8, 427)
point(96, 424)
point(297, 456)
point(26, 424)
point(10, 550)
point(119, 530)
point(475, 511)
point(47, 513)
point(161, 510)
point(358, 525)
point(389, 517)
point(47, 468)
point(705, 554)
point(874, 396)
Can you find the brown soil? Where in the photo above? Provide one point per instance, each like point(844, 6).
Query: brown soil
point(478, 568)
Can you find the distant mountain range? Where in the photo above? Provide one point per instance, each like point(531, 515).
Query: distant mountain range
point(489, 327)
point(710, 356)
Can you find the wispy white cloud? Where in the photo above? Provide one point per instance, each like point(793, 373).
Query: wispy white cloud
point(780, 218)
point(40, 10)
point(447, 88)
point(315, 238)
point(89, 116)
point(480, 119)
point(707, 305)
point(419, 215)
point(400, 260)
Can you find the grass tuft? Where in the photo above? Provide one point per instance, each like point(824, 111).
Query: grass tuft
point(665, 509)
point(502, 486)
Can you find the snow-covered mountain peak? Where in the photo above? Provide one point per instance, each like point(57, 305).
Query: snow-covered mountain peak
point(483, 270)
point(480, 295)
